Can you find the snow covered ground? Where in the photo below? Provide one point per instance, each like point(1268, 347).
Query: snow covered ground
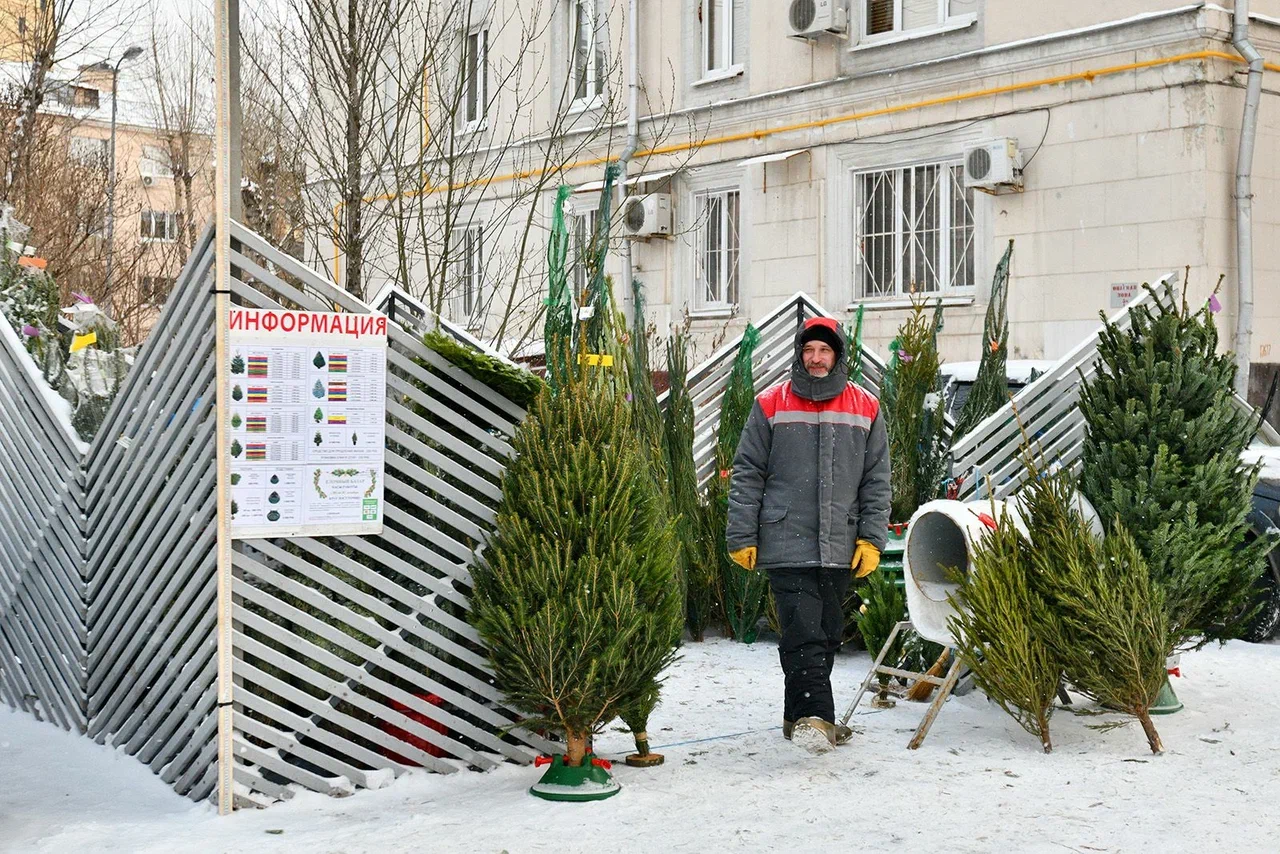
point(731, 783)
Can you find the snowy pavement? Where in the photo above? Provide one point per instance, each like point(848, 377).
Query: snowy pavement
point(978, 784)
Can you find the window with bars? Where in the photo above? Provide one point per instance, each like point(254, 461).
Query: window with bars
point(717, 35)
point(716, 276)
point(914, 230)
point(882, 17)
point(468, 300)
point(586, 50)
point(160, 226)
point(154, 290)
point(475, 69)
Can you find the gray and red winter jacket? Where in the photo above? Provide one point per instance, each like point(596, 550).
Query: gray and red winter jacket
point(811, 474)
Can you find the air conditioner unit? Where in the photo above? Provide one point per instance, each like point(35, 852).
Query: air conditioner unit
point(647, 216)
point(148, 180)
point(993, 166)
point(810, 19)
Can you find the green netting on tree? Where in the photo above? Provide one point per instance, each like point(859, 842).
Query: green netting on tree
point(744, 591)
point(558, 326)
point(991, 386)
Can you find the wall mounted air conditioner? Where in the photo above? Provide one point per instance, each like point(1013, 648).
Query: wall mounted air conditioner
point(647, 216)
point(810, 19)
point(993, 166)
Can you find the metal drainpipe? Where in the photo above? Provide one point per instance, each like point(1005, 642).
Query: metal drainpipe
point(633, 142)
point(1244, 194)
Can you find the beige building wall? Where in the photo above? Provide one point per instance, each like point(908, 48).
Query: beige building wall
point(1129, 175)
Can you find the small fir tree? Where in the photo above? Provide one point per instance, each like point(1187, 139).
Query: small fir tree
point(575, 596)
point(700, 567)
point(235, 420)
point(1162, 458)
point(744, 590)
point(237, 364)
point(318, 361)
point(919, 452)
point(997, 634)
point(318, 415)
point(1099, 609)
point(237, 393)
point(236, 448)
point(991, 385)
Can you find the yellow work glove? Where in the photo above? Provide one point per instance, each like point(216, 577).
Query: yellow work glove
point(866, 558)
point(745, 558)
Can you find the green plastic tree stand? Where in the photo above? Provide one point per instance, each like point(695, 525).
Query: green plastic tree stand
point(1167, 702)
point(590, 781)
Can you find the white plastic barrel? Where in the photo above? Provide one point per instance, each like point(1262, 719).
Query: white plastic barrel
point(940, 541)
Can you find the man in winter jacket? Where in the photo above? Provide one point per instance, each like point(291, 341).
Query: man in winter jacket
point(809, 503)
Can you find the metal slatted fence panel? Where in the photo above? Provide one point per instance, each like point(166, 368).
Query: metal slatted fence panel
point(151, 504)
point(772, 358)
point(42, 586)
point(354, 656)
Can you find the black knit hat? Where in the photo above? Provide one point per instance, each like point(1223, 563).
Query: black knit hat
point(824, 329)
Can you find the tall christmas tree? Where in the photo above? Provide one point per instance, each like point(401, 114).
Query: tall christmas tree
point(575, 595)
point(991, 385)
point(744, 591)
point(914, 410)
point(1162, 458)
point(698, 560)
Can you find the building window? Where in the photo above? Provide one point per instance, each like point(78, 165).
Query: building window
point(154, 290)
point(22, 26)
point(155, 162)
point(717, 35)
point(914, 230)
point(83, 96)
point(587, 51)
point(468, 298)
point(475, 95)
point(161, 226)
point(582, 229)
point(88, 150)
point(716, 274)
point(883, 17)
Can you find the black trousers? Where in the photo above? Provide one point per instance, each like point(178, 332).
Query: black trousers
point(812, 621)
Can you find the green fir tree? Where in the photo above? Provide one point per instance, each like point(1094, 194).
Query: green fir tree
point(1162, 458)
point(236, 448)
point(237, 393)
point(991, 385)
point(997, 634)
point(1099, 610)
point(318, 361)
point(237, 364)
point(919, 451)
point(575, 596)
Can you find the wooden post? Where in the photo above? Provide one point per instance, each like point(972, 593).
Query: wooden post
point(226, 43)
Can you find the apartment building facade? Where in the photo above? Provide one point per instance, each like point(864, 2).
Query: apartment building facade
point(835, 164)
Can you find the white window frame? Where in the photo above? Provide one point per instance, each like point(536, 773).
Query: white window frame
point(943, 22)
point(170, 221)
point(79, 149)
point(582, 217)
point(949, 181)
point(596, 59)
point(155, 162)
point(468, 266)
point(475, 113)
point(728, 259)
point(725, 47)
